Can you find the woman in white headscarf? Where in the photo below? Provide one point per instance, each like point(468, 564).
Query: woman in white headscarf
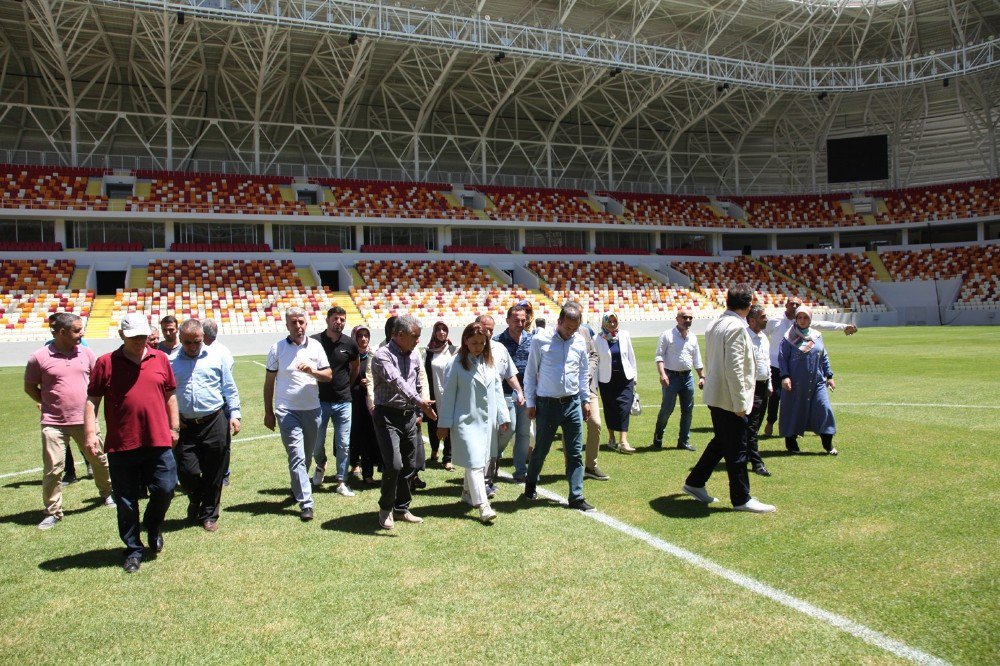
point(616, 379)
point(806, 377)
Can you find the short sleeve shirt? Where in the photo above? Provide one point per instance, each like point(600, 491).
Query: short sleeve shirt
point(135, 399)
point(503, 363)
point(295, 390)
point(339, 355)
point(63, 379)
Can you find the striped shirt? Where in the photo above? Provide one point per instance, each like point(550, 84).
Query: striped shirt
point(396, 377)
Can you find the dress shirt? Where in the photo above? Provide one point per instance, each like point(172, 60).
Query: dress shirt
point(396, 377)
point(777, 327)
point(204, 384)
point(223, 351)
point(762, 356)
point(556, 368)
point(678, 353)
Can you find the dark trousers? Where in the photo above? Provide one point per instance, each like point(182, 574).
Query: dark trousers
point(131, 471)
point(729, 442)
point(445, 444)
point(550, 415)
point(396, 431)
point(775, 399)
point(792, 443)
point(202, 460)
point(760, 404)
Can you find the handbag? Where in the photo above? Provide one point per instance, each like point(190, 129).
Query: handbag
point(636, 405)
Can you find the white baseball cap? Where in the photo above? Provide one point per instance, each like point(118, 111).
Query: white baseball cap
point(134, 324)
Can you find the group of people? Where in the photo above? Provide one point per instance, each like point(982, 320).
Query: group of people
point(171, 406)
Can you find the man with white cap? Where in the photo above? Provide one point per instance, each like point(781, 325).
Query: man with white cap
point(142, 426)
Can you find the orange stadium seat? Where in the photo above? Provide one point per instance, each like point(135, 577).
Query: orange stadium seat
point(44, 187)
point(604, 286)
point(214, 193)
point(31, 290)
point(676, 210)
point(713, 278)
point(803, 211)
point(452, 291)
point(373, 198)
point(940, 202)
point(978, 266)
point(843, 278)
point(526, 204)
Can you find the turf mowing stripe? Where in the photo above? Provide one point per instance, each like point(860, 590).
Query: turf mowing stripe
point(77, 464)
point(880, 404)
point(846, 625)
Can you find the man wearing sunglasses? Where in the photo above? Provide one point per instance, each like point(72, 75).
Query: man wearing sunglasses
point(677, 354)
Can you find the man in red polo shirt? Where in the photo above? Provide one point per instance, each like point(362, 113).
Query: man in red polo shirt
point(56, 378)
point(142, 425)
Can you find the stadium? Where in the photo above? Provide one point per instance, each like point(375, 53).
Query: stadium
point(231, 160)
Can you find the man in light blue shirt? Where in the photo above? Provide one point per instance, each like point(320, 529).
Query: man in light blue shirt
point(209, 406)
point(557, 392)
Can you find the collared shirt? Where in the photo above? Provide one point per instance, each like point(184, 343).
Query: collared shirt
point(396, 377)
point(204, 384)
point(778, 326)
point(63, 379)
point(339, 355)
point(556, 368)
point(762, 355)
point(135, 399)
point(678, 353)
point(518, 350)
point(503, 363)
point(223, 351)
point(295, 390)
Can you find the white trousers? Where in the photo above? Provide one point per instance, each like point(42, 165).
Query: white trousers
point(475, 485)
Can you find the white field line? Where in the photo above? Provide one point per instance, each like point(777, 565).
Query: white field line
point(840, 622)
point(880, 404)
point(78, 464)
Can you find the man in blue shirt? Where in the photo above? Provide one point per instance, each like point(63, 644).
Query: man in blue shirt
point(517, 341)
point(206, 393)
point(557, 391)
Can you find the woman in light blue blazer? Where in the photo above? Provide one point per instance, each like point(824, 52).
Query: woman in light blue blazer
point(471, 410)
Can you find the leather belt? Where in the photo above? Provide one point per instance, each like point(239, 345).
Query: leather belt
point(201, 419)
point(679, 372)
point(564, 400)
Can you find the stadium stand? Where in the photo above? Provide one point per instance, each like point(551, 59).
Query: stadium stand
point(30, 246)
point(243, 296)
point(605, 286)
point(373, 198)
point(317, 248)
point(844, 278)
point(178, 192)
point(476, 249)
point(115, 247)
point(669, 209)
point(45, 187)
point(220, 247)
point(940, 202)
point(31, 290)
point(543, 205)
point(978, 266)
point(451, 291)
point(552, 249)
point(390, 249)
point(713, 278)
point(796, 211)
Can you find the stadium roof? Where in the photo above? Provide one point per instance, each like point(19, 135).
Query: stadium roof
point(678, 95)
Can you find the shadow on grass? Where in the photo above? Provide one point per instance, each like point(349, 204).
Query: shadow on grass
point(22, 484)
point(781, 453)
point(265, 508)
point(100, 558)
point(681, 506)
point(35, 516)
point(276, 492)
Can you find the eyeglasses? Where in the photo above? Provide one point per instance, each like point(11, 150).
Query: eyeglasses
point(687, 317)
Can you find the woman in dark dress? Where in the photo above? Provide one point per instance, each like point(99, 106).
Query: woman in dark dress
point(436, 359)
point(364, 448)
point(616, 377)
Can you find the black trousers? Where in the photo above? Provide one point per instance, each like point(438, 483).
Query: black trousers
point(133, 472)
point(202, 460)
point(396, 431)
point(760, 404)
point(729, 442)
point(775, 399)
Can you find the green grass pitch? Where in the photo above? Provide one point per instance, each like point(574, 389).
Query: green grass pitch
point(898, 533)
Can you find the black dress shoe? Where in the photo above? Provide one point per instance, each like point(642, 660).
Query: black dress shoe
point(686, 447)
point(192, 512)
point(760, 469)
point(306, 514)
point(529, 491)
point(581, 505)
point(156, 542)
point(657, 446)
point(418, 483)
point(132, 563)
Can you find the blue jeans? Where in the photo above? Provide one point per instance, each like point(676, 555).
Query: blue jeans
point(340, 414)
point(550, 414)
point(131, 471)
point(299, 430)
point(683, 387)
point(520, 432)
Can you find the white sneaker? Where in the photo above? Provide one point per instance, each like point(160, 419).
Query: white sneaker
point(466, 497)
point(317, 478)
point(833, 452)
point(755, 506)
point(109, 501)
point(345, 490)
point(49, 522)
point(486, 512)
point(699, 494)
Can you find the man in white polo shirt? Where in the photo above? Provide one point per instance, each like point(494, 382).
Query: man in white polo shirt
point(295, 365)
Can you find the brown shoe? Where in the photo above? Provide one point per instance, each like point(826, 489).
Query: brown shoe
point(210, 526)
point(407, 517)
point(448, 466)
point(385, 520)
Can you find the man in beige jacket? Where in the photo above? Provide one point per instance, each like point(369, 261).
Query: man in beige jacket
point(729, 387)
